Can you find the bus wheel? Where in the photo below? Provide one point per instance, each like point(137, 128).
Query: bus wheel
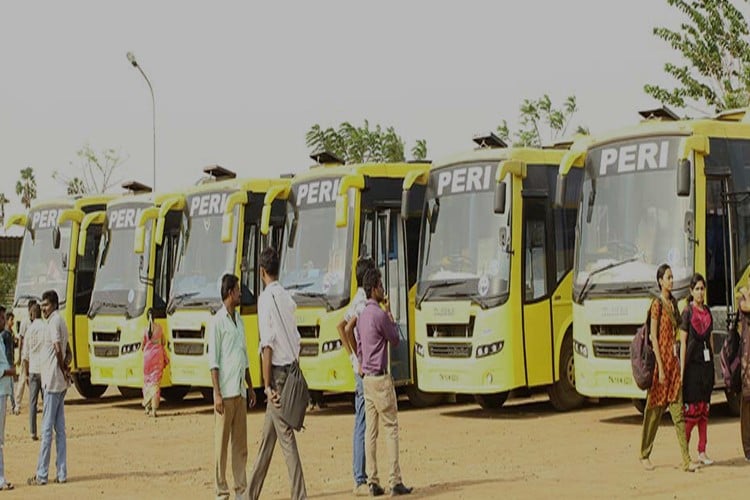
point(85, 388)
point(421, 399)
point(640, 405)
point(129, 392)
point(562, 393)
point(175, 393)
point(491, 401)
point(733, 402)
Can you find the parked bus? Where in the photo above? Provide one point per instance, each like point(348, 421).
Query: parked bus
point(663, 191)
point(49, 260)
point(135, 265)
point(337, 213)
point(493, 306)
point(221, 233)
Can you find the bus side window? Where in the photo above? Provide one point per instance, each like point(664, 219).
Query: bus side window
point(247, 281)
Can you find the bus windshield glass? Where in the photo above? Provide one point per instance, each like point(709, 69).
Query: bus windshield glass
point(631, 220)
point(461, 251)
point(41, 267)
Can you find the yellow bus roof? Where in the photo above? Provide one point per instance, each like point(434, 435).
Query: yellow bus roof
point(255, 185)
point(527, 155)
point(396, 170)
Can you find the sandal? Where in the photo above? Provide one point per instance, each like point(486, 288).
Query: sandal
point(35, 481)
point(7, 486)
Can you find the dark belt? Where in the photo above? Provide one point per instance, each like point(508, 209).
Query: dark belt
point(376, 374)
point(281, 367)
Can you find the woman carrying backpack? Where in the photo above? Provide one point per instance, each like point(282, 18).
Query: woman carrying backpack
point(744, 306)
point(666, 389)
point(697, 363)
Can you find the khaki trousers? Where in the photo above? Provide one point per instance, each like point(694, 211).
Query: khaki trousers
point(380, 405)
point(20, 387)
point(745, 425)
point(232, 425)
point(652, 418)
point(275, 428)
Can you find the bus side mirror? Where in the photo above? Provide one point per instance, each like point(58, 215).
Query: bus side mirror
point(227, 223)
point(405, 205)
point(434, 218)
point(562, 180)
point(500, 197)
point(56, 237)
point(292, 233)
point(683, 178)
point(140, 239)
point(342, 203)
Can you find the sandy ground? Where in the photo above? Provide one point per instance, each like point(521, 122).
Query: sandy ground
point(525, 450)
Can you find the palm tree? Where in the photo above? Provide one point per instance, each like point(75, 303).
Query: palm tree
point(3, 201)
point(26, 187)
point(419, 151)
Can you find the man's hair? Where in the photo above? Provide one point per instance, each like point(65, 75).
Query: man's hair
point(363, 264)
point(269, 260)
point(51, 297)
point(2, 309)
point(35, 311)
point(228, 282)
point(370, 280)
point(31, 303)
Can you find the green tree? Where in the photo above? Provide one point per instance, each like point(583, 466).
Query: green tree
point(419, 150)
point(97, 171)
point(358, 144)
point(7, 282)
point(715, 68)
point(3, 201)
point(26, 187)
point(537, 115)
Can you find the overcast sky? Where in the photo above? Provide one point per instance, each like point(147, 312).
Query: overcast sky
point(239, 83)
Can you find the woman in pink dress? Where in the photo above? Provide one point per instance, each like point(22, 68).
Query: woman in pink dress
point(154, 361)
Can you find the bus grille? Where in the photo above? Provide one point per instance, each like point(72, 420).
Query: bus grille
point(308, 349)
point(106, 351)
point(449, 350)
point(616, 330)
point(309, 332)
point(188, 334)
point(465, 330)
point(189, 348)
point(106, 336)
point(613, 350)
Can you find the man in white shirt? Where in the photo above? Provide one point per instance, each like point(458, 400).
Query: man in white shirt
point(279, 346)
point(23, 378)
point(32, 361)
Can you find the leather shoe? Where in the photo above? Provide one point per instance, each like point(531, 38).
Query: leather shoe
point(376, 490)
point(400, 489)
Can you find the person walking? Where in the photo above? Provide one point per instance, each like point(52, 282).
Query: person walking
point(697, 364)
point(279, 347)
point(32, 361)
point(55, 382)
point(377, 329)
point(9, 348)
point(23, 379)
point(666, 388)
point(349, 339)
point(228, 363)
point(154, 361)
point(7, 371)
point(744, 306)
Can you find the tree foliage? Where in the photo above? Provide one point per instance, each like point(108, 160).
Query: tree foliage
point(7, 281)
point(26, 187)
point(419, 150)
point(96, 170)
point(361, 144)
point(541, 122)
point(713, 44)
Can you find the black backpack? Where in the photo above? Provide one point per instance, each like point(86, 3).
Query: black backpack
point(730, 357)
point(642, 357)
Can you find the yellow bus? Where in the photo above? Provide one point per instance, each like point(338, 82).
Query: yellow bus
point(135, 265)
point(221, 233)
point(662, 191)
point(49, 261)
point(493, 306)
point(335, 214)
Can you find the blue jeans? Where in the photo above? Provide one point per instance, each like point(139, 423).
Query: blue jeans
point(35, 389)
point(53, 416)
point(358, 445)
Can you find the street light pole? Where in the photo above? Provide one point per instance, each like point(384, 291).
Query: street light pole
point(131, 58)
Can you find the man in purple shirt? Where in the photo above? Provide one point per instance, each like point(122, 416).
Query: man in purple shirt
point(376, 329)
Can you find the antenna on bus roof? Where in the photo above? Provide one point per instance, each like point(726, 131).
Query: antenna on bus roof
point(489, 141)
point(136, 187)
point(219, 173)
point(662, 113)
point(286, 176)
point(326, 157)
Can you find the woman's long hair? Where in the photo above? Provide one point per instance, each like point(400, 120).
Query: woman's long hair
point(150, 316)
point(697, 278)
point(660, 272)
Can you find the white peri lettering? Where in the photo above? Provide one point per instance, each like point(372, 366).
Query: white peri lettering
point(45, 219)
point(635, 157)
point(124, 218)
point(208, 204)
point(321, 191)
point(464, 179)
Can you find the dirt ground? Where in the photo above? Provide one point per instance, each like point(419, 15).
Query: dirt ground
point(525, 450)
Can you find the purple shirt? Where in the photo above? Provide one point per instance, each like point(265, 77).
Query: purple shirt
point(375, 331)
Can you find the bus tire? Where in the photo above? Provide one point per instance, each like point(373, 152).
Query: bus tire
point(85, 388)
point(129, 392)
point(562, 393)
point(734, 399)
point(639, 404)
point(175, 393)
point(491, 401)
point(421, 399)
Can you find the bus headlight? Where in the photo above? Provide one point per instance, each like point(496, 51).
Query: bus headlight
point(490, 349)
point(419, 349)
point(580, 349)
point(332, 345)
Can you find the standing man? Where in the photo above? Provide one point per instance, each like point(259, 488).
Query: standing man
point(6, 373)
point(228, 362)
point(32, 361)
point(376, 330)
point(55, 383)
point(22, 328)
point(350, 338)
point(279, 346)
point(7, 336)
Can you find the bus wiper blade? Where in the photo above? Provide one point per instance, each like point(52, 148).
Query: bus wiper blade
point(98, 304)
point(318, 295)
point(27, 297)
point(297, 286)
point(434, 286)
point(587, 284)
point(178, 299)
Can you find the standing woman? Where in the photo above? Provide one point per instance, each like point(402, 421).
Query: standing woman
point(697, 363)
point(154, 361)
point(666, 389)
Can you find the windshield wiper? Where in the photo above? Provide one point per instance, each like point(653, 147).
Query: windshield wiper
point(434, 286)
point(297, 286)
point(98, 304)
point(318, 295)
point(213, 304)
point(587, 283)
point(178, 299)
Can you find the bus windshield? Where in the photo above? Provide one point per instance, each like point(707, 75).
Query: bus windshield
point(203, 260)
point(631, 220)
point(41, 267)
point(316, 268)
point(461, 254)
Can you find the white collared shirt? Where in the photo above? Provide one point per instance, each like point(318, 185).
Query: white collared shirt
point(33, 342)
point(227, 352)
point(53, 379)
point(278, 327)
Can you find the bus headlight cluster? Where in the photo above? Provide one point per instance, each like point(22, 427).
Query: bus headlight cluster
point(131, 348)
point(581, 349)
point(419, 349)
point(332, 345)
point(490, 349)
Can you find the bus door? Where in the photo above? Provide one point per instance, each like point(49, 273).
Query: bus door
point(537, 267)
point(390, 255)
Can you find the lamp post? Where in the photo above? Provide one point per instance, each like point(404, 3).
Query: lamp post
point(135, 64)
